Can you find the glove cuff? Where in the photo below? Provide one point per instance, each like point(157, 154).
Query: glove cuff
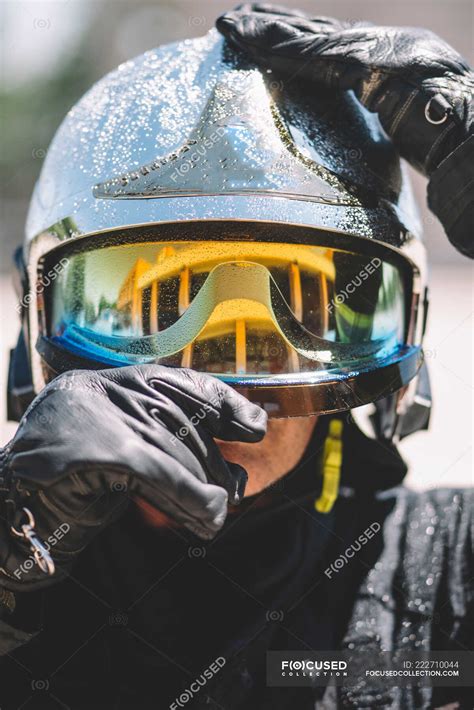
point(423, 124)
point(454, 177)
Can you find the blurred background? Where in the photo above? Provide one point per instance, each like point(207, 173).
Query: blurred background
point(51, 52)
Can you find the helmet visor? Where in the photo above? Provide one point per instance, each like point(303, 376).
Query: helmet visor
point(247, 312)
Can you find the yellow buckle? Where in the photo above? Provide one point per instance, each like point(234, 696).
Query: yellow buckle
point(331, 467)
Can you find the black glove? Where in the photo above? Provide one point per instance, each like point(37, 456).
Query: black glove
point(419, 86)
point(91, 440)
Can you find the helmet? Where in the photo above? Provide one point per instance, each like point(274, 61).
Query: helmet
point(193, 210)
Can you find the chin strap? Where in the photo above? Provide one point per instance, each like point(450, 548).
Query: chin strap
point(331, 467)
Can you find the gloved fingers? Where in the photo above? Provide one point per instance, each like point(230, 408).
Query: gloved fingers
point(320, 50)
point(230, 476)
point(203, 398)
point(192, 445)
point(263, 34)
point(290, 51)
point(164, 425)
point(220, 409)
point(240, 478)
point(168, 486)
point(414, 53)
point(267, 11)
point(287, 13)
point(265, 8)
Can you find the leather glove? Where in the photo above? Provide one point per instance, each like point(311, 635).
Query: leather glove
point(92, 440)
point(420, 87)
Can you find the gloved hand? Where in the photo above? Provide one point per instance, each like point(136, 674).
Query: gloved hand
point(420, 87)
point(91, 440)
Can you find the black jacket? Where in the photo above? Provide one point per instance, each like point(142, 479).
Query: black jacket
point(147, 610)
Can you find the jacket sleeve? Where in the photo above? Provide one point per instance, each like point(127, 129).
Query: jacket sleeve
point(419, 594)
point(451, 196)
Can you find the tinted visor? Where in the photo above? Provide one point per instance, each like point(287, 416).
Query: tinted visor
point(248, 312)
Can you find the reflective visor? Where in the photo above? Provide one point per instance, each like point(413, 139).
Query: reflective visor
point(258, 313)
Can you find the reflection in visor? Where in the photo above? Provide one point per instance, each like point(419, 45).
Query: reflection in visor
point(229, 308)
point(225, 283)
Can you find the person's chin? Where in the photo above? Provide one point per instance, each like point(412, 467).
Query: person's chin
point(228, 448)
point(250, 456)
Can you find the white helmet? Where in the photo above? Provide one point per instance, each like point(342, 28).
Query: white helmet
point(194, 210)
